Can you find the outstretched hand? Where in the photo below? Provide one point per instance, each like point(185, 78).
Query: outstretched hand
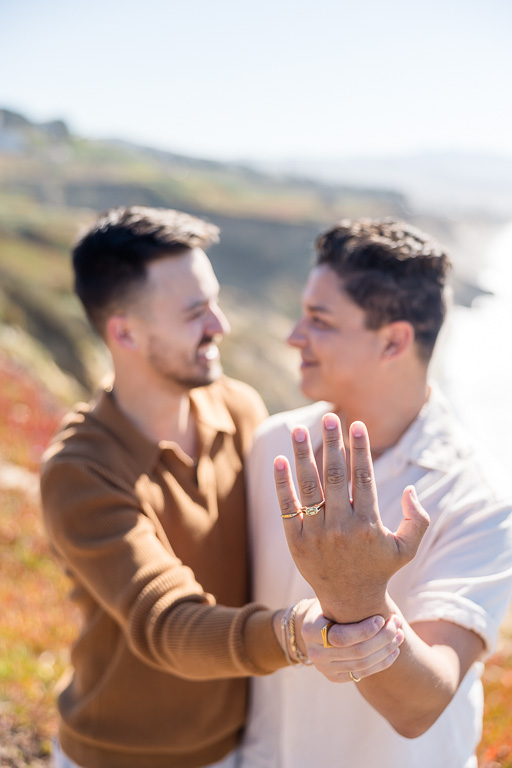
point(342, 547)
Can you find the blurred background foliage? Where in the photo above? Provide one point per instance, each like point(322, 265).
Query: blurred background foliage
point(52, 183)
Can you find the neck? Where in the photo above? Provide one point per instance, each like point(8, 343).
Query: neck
point(388, 413)
point(159, 413)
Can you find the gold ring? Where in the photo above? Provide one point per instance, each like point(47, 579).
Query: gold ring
point(354, 678)
point(314, 509)
point(292, 514)
point(325, 631)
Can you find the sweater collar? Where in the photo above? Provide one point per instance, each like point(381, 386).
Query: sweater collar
point(212, 416)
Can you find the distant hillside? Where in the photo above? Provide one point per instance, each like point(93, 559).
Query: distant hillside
point(449, 183)
point(52, 166)
point(52, 182)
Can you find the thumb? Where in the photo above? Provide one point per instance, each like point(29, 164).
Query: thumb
point(414, 525)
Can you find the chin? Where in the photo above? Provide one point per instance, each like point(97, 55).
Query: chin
point(309, 391)
point(315, 392)
point(207, 378)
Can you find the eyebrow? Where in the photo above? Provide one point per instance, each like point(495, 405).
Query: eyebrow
point(203, 301)
point(195, 305)
point(318, 308)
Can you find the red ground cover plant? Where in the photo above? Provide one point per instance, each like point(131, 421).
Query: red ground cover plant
point(496, 746)
point(29, 416)
point(38, 624)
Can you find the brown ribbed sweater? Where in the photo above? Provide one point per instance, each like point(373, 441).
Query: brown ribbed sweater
point(156, 548)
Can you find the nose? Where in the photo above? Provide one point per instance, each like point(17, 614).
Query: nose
point(296, 337)
point(217, 322)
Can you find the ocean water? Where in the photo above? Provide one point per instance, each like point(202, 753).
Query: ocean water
point(475, 362)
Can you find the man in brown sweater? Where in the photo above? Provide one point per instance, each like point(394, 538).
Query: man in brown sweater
point(144, 502)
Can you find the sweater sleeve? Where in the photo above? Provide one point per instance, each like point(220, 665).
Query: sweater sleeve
point(112, 549)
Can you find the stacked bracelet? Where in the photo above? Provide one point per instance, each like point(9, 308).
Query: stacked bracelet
point(284, 636)
point(292, 636)
point(289, 637)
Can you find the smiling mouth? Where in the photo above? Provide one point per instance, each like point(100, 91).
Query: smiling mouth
point(212, 352)
point(209, 351)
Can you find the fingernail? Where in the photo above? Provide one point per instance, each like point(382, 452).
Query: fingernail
point(330, 421)
point(412, 491)
point(279, 463)
point(378, 622)
point(397, 619)
point(400, 636)
point(299, 434)
point(357, 429)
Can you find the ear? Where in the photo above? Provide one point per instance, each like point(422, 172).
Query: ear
point(119, 332)
point(398, 337)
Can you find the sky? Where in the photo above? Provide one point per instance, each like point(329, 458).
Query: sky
point(266, 80)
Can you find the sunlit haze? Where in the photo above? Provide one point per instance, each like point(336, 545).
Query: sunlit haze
point(266, 80)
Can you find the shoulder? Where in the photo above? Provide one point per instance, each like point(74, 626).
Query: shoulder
point(74, 429)
point(83, 440)
point(463, 479)
point(87, 474)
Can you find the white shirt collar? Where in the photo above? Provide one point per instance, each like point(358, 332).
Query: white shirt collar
point(434, 441)
point(428, 442)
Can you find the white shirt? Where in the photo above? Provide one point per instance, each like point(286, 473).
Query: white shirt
point(462, 573)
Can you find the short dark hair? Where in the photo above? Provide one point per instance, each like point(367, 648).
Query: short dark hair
point(110, 259)
point(391, 270)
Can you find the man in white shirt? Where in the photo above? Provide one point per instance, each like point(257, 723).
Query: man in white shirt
point(372, 309)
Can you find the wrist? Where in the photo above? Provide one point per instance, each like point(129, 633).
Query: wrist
point(287, 628)
point(354, 611)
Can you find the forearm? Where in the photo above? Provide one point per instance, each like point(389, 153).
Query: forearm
point(202, 642)
point(414, 691)
point(420, 677)
point(434, 657)
point(121, 565)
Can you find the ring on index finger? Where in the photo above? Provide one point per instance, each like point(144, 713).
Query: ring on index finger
point(314, 509)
